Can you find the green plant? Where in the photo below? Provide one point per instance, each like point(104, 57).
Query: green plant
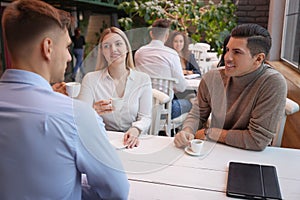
point(203, 23)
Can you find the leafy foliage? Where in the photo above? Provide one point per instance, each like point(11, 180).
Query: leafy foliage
point(203, 23)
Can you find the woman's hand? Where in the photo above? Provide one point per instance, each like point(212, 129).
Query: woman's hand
point(103, 107)
point(187, 72)
point(131, 137)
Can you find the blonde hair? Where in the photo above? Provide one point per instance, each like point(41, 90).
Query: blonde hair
point(101, 61)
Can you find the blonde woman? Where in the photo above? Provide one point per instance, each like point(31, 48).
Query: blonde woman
point(115, 78)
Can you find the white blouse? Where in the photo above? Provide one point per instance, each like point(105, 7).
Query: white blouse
point(137, 99)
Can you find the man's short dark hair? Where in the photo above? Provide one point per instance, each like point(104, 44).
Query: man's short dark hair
point(160, 27)
point(258, 38)
point(24, 20)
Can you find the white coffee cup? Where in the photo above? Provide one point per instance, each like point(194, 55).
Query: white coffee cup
point(196, 145)
point(73, 89)
point(117, 103)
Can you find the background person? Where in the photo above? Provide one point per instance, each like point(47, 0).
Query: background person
point(221, 63)
point(246, 99)
point(118, 79)
point(78, 41)
point(179, 42)
point(158, 60)
point(45, 145)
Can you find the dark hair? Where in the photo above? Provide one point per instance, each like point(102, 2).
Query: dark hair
point(258, 38)
point(160, 27)
point(222, 60)
point(77, 31)
point(25, 20)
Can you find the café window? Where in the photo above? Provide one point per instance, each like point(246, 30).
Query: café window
point(291, 34)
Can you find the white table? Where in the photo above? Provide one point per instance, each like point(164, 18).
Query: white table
point(192, 84)
point(158, 170)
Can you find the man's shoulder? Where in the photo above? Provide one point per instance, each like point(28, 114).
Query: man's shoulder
point(140, 75)
point(272, 74)
point(142, 48)
point(158, 49)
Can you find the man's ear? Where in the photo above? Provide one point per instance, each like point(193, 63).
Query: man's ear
point(47, 48)
point(260, 58)
point(151, 34)
point(166, 36)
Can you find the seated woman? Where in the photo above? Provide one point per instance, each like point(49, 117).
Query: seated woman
point(115, 77)
point(179, 42)
point(221, 63)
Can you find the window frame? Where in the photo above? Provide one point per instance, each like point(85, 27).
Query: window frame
point(289, 36)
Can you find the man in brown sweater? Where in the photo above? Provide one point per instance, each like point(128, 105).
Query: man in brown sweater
point(246, 99)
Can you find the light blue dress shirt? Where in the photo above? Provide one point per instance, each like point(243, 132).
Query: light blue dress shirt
point(47, 140)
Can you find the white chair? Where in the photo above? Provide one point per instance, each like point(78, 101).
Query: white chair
point(290, 108)
point(200, 51)
point(163, 114)
point(159, 101)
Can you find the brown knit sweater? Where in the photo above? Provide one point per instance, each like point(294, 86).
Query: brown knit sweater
point(249, 106)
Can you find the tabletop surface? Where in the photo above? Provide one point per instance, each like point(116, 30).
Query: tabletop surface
point(157, 164)
point(192, 84)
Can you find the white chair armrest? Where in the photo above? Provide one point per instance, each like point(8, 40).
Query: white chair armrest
point(180, 119)
point(291, 107)
point(160, 96)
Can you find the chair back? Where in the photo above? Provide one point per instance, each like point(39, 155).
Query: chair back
point(290, 108)
point(200, 52)
point(165, 85)
point(159, 101)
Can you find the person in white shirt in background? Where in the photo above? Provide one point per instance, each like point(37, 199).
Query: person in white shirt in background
point(158, 60)
point(116, 78)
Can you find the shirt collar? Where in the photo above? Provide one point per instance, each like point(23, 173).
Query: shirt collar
point(25, 77)
point(157, 43)
point(105, 74)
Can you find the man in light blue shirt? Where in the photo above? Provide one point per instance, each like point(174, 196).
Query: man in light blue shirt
point(48, 140)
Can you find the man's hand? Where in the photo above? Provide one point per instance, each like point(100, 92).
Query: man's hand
point(200, 134)
point(183, 138)
point(60, 87)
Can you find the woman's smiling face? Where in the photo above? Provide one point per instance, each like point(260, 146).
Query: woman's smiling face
point(178, 43)
point(114, 48)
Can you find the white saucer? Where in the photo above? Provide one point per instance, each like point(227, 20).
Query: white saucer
point(190, 152)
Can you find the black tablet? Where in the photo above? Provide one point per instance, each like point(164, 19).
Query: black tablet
point(252, 181)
